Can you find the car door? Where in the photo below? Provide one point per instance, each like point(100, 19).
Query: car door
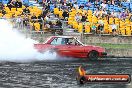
point(76, 50)
point(59, 44)
point(63, 47)
point(72, 50)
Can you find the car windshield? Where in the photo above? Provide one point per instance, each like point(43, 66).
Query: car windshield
point(47, 39)
point(79, 42)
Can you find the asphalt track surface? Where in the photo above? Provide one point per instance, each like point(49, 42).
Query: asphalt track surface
point(60, 74)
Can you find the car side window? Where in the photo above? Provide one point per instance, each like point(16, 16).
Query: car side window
point(57, 41)
point(71, 41)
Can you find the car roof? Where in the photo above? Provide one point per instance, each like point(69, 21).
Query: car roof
point(62, 36)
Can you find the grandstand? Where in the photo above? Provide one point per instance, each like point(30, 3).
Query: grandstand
point(82, 16)
point(111, 24)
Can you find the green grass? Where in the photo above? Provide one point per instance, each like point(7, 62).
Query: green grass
point(114, 46)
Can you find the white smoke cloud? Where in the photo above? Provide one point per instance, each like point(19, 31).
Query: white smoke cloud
point(15, 47)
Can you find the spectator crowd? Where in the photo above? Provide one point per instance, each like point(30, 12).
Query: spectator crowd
point(85, 16)
point(30, 17)
point(98, 16)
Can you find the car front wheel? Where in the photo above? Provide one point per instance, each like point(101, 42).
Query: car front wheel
point(93, 55)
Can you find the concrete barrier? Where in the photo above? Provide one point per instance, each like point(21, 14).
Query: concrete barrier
point(119, 52)
point(107, 39)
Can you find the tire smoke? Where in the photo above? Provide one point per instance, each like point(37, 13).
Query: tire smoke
point(15, 47)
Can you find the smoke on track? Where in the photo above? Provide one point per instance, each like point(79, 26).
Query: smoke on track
point(16, 48)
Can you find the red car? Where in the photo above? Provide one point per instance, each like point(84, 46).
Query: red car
point(71, 47)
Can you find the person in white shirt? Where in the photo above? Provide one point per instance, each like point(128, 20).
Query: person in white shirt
point(114, 14)
point(75, 5)
point(128, 0)
point(78, 17)
point(114, 28)
point(103, 5)
point(96, 12)
point(104, 12)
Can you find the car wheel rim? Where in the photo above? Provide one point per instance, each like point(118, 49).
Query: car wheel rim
point(93, 55)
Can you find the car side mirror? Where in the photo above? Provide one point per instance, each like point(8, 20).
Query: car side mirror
point(67, 43)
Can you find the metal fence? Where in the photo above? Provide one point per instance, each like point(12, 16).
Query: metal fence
point(85, 38)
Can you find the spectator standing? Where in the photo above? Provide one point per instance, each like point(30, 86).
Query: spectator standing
point(96, 4)
point(104, 12)
point(26, 11)
point(101, 27)
point(18, 4)
point(114, 28)
point(93, 27)
point(113, 2)
point(25, 21)
point(33, 18)
point(59, 24)
point(40, 20)
point(75, 5)
point(81, 6)
point(47, 7)
point(91, 1)
point(69, 5)
point(9, 4)
point(19, 21)
point(61, 1)
point(88, 4)
point(87, 22)
point(127, 12)
point(47, 18)
point(48, 1)
point(96, 12)
point(65, 14)
point(118, 2)
point(78, 17)
point(114, 14)
point(45, 12)
point(83, 18)
point(63, 6)
point(103, 5)
point(3, 11)
point(130, 18)
point(119, 15)
point(1, 6)
point(123, 15)
point(13, 3)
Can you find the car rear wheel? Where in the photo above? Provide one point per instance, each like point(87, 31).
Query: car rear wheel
point(53, 52)
point(93, 55)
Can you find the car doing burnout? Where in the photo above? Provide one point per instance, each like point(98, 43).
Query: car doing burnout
point(70, 47)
